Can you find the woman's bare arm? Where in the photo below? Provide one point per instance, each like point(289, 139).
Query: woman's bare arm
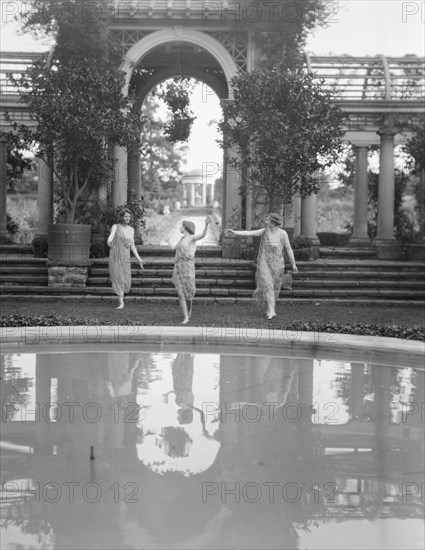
point(204, 232)
point(252, 233)
point(112, 234)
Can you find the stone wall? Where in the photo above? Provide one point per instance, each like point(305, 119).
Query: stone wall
point(67, 276)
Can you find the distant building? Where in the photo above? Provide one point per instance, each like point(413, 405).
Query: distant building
point(198, 188)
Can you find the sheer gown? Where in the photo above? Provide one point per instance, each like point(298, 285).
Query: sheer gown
point(119, 262)
point(184, 270)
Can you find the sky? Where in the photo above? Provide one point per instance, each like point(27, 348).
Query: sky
point(354, 27)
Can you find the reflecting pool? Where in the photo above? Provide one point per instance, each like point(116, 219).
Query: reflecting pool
point(166, 450)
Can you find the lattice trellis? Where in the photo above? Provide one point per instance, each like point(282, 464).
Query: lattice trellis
point(124, 39)
point(236, 44)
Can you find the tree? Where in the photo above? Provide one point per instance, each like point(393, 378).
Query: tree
point(161, 159)
point(76, 99)
point(284, 127)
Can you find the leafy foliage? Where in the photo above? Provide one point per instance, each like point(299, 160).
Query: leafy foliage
point(284, 127)
point(176, 97)
point(281, 36)
point(17, 162)
point(373, 329)
point(415, 147)
point(160, 161)
point(76, 98)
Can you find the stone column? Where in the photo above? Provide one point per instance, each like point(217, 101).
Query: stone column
point(288, 219)
point(309, 223)
point(360, 235)
point(305, 387)
point(44, 197)
point(134, 180)
point(231, 184)
point(356, 392)
point(204, 194)
point(120, 181)
point(388, 248)
point(296, 202)
point(3, 189)
point(211, 192)
point(192, 194)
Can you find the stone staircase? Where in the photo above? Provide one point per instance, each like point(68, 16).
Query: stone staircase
point(363, 281)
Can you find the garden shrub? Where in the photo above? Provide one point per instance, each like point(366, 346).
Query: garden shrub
point(302, 249)
point(329, 238)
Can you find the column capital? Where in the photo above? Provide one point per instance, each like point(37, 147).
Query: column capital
point(388, 130)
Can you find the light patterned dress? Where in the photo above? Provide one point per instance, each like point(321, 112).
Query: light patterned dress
point(184, 270)
point(271, 266)
point(119, 262)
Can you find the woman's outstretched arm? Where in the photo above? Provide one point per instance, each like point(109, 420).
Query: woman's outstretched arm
point(204, 232)
point(252, 233)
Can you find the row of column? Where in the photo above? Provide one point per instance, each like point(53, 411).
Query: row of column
point(127, 178)
point(385, 232)
point(304, 210)
point(190, 198)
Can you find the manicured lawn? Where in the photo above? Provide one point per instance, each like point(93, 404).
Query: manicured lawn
point(398, 321)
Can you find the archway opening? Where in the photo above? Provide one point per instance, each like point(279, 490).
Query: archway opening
point(180, 180)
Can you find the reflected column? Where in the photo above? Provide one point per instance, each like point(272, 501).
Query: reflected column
point(305, 387)
point(43, 403)
point(356, 393)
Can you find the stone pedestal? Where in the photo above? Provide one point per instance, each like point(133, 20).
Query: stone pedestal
point(60, 276)
point(388, 249)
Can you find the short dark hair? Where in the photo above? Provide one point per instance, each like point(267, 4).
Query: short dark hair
point(122, 213)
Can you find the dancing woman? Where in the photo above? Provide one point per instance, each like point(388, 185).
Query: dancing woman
point(121, 241)
point(270, 261)
point(184, 265)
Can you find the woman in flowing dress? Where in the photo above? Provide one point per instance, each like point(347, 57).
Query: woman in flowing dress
point(184, 265)
point(270, 261)
point(121, 242)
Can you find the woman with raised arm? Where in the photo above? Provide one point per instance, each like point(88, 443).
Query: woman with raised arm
point(270, 261)
point(184, 265)
point(121, 241)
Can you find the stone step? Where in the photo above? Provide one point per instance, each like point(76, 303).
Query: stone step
point(297, 282)
point(23, 279)
point(347, 252)
point(24, 270)
point(362, 294)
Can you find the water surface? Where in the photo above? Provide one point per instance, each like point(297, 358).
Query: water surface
point(174, 450)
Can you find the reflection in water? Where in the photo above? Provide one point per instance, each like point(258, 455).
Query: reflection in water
point(142, 450)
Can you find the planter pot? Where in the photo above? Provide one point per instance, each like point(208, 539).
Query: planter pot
point(69, 244)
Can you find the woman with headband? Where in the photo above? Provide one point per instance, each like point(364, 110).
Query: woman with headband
point(270, 261)
point(121, 241)
point(184, 267)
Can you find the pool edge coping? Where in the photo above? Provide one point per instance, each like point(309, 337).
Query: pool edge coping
point(211, 334)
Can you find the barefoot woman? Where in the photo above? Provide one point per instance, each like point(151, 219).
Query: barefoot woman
point(270, 261)
point(121, 241)
point(184, 266)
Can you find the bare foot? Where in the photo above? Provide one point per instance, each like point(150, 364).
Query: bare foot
point(121, 306)
point(185, 321)
point(271, 316)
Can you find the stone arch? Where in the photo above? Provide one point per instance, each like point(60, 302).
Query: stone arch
point(178, 34)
